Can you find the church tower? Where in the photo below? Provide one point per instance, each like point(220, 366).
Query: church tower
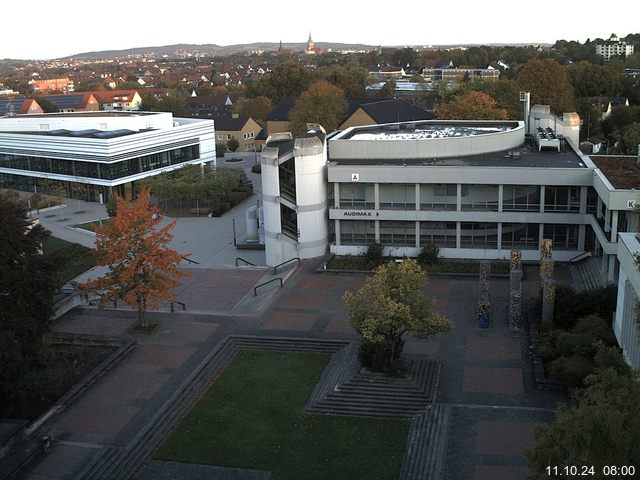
point(310, 45)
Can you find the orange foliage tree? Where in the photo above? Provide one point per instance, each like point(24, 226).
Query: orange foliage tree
point(473, 105)
point(142, 270)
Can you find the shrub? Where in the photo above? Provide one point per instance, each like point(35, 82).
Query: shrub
point(596, 326)
point(428, 255)
point(571, 370)
point(375, 356)
point(570, 306)
point(567, 343)
point(374, 255)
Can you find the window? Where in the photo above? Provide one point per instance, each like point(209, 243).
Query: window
point(357, 232)
point(398, 233)
point(398, 196)
point(229, 137)
point(521, 198)
point(561, 199)
point(520, 235)
point(480, 197)
point(478, 235)
point(356, 195)
point(434, 197)
point(564, 237)
point(220, 137)
point(442, 234)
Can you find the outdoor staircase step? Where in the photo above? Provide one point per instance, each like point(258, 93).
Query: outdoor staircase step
point(426, 445)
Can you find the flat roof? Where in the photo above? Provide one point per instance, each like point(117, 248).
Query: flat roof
point(427, 129)
point(622, 171)
point(526, 156)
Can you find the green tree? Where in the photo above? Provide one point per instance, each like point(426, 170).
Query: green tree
point(631, 139)
point(471, 106)
point(257, 108)
point(602, 431)
point(390, 304)
point(233, 144)
point(28, 280)
point(352, 79)
point(591, 80)
point(173, 103)
point(286, 80)
point(321, 103)
point(388, 90)
point(549, 84)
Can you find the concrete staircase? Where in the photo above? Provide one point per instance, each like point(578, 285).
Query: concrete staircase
point(347, 390)
point(586, 274)
point(427, 445)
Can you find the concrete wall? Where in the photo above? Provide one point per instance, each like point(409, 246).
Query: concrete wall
point(625, 325)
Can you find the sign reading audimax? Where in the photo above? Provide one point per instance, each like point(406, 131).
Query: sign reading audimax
point(359, 213)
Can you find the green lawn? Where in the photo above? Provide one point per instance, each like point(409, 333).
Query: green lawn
point(253, 417)
point(91, 226)
point(72, 258)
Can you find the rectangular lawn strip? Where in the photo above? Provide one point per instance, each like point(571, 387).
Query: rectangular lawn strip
point(91, 226)
point(72, 258)
point(253, 417)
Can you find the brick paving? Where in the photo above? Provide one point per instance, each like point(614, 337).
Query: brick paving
point(485, 376)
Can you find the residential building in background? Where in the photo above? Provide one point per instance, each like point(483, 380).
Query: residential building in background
point(244, 129)
point(18, 105)
point(614, 47)
point(63, 85)
point(73, 102)
point(118, 100)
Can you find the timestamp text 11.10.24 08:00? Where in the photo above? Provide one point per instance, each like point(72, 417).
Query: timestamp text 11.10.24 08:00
point(607, 471)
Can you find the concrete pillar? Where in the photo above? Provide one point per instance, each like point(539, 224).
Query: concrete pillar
point(417, 196)
point(417, 234)
point(336, 195)
point(500, 201)
point(377, 231)
point(614, 225)
point(599, 208)
point(337, 232)
point(607, 220)
point(458, 233)
point(582, 234)
point(499, 236)
point(612, 269)
point(376, 195)
point(459, 197)
point(603, 264)
point(583, 200)
point(542, 194)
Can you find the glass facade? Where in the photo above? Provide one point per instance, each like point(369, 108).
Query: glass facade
point(564, 237)
point(400, 233)
point(356, 195)
point(520, 235)
point(442, 234)
point(480, 197)
point(438, 196)
point(100, 170)
point(478, 235)
point(521, 198)
point(398, 196)
point(562, 199)
point(357, 232)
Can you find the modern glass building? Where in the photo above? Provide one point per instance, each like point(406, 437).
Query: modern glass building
point(86, 154)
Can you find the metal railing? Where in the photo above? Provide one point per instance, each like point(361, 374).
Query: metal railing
point(579, 257)
point(245, 261)
point(255, 289)
point(183, 305)
point(296, 259)
point(190, 261)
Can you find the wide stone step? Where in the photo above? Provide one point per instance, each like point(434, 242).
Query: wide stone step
point(426, 445)
point(366, 410)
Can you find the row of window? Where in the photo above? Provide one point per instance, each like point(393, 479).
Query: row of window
point(472, 197)
point(246, 136)
point(97, 170)
point(444, 234)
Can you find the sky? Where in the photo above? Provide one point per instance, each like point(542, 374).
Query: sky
point(42, 32)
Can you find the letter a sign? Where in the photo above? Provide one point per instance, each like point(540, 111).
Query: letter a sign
point(355, 177)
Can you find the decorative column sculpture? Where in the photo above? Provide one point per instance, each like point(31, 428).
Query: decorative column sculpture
point(483, 308)
point(515, 290)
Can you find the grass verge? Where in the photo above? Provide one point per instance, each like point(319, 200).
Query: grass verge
point(253, 417)
point(72, 258)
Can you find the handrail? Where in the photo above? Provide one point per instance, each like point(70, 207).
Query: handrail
point(184, 306)
point(255, 289)
point(577, 257)
point(275, 269)
point(245, 261)
point(189, 260)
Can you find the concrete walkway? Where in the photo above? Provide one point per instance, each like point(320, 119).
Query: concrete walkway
point(486, 379)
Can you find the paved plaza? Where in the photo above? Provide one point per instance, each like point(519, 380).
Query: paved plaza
point(486, 378)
